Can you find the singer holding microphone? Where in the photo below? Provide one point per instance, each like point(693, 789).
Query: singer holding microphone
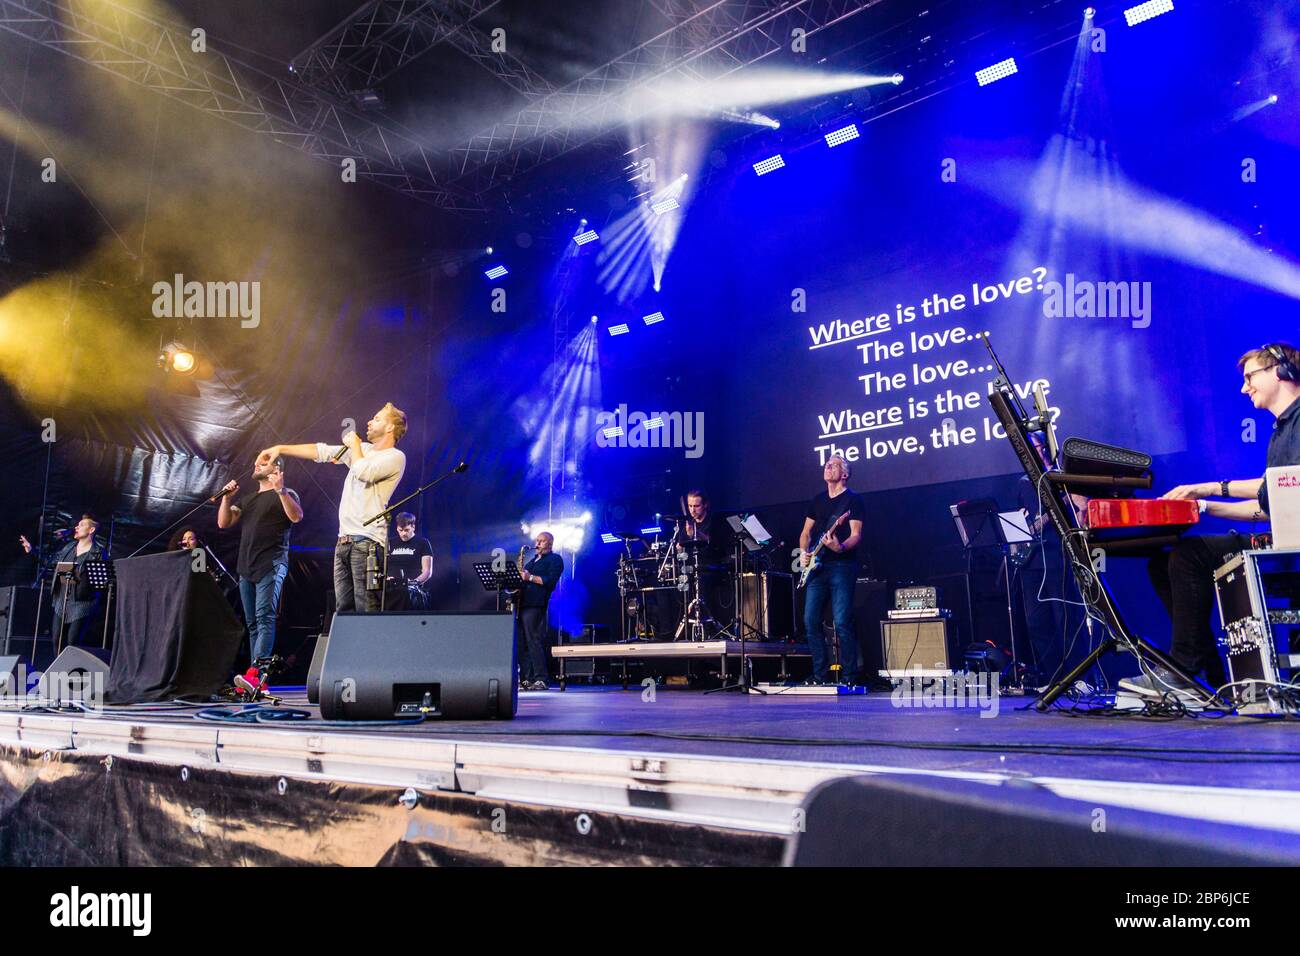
point(375, 467)
point(532, 642)
point(265, 517)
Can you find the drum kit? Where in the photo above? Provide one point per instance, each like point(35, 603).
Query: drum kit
point(668, 591)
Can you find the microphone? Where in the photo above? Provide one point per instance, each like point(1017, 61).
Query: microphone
point(220, 494)
point(461, 468)
point(338, 456)
point(63, 533)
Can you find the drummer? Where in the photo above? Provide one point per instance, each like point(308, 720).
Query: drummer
point(713, 533)
point(410, 565)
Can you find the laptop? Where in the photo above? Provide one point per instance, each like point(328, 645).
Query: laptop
point(1284, 505)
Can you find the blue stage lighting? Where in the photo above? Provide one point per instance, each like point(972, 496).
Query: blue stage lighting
point(667, 204)
point(1145, 11)
point(842, 135)
point(619, 329)
point(613, 431)
point(654, 529)
point(997, 71)
point(768, 165)
point(654, 423)
point(583, 238)
point(653, 318)
point(610, 538)
point(496, 272)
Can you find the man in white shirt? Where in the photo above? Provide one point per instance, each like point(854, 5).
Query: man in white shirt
point(375, 467)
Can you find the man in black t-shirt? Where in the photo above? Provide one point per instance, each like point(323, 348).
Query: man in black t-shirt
point(410, 561)
point(265, 517)
point(837, 574)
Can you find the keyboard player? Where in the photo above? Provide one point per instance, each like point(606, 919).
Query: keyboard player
point(1184, 578)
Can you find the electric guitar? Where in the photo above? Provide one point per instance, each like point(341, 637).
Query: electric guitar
point(814, 559)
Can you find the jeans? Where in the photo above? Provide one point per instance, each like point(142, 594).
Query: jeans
point(1184, 580)
point(835, 580)
point(532, 641)
point(261, 600)
point(350, 557)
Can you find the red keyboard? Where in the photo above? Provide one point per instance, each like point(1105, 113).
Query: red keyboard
point(1141, 513)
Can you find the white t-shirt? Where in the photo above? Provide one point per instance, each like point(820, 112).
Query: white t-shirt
point(367, 489)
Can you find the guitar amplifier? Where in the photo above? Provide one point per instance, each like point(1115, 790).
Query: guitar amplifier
point(924, 645)
point(916, 598)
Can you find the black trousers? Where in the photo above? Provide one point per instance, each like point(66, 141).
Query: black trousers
point(1184, 580)
point(532, 642)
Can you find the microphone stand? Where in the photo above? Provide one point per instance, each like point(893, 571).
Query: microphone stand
point(388, 512)
point(205, 501)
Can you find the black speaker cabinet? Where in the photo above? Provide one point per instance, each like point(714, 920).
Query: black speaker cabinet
point(317, 662)
point(18, 616)
point(767, 604)
point(448, 665)
point(77, 674)
point(926, 644)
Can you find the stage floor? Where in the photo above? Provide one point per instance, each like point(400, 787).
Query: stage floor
point(728, 761)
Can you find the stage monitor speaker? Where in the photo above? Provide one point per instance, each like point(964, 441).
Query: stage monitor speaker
point(314, 669)
point(78, 674)
point(9, 664)
point(445, 665)
point(915, 820)
point(926, 644)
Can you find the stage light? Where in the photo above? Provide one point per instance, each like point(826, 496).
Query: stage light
point(842, 135)
point(620, 329)
point(654, 423)
point(496, 272)
point(177, 358)
point(610, 538)
point(583, 238)
point(997, 71)
point(1273, 98)
point(896, 79)
point(653, 318)
point(488, 250)
point(567, 533)
point(1145, 11)
point(653, 530)
point(768, 165)
point(667, 204)
point(595, 319)
point(1089, 13)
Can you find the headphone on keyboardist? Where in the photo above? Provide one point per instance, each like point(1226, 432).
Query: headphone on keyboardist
point(1286, 371)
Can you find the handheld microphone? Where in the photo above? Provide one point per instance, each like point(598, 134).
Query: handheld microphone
point(461, 468)
point(343, 450)
point(220, 494)
point(63, 533)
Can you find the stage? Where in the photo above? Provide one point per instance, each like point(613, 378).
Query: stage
point(602, 776)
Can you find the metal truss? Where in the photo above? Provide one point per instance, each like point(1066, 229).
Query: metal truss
point(157, 55)
point(705, 39)
point(382, 36)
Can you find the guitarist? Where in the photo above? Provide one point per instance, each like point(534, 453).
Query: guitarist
point(836, 515)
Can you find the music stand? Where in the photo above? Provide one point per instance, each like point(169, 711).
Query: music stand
point(498, 581)
point(747, 534)
point(102, 578)
point(66, 570)
point(982, 525)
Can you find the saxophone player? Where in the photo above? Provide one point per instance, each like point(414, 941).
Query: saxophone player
point(532, 637)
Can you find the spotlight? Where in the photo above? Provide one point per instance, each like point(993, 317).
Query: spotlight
point(1089, 13)
point(1145, 11)
point(896, 79)
point(653, 318)
point(177, 358)
point(997, 71)
point(652, 530)
point(496, 272)
point(618, 329)
point(768, 165)
point(488, 250)
point(595, 319)
point(610, 538)
point(667, 204)
point(654, 423)
point(583, 238)
point(842, 135)
point(613, 431)
point(1273, 98)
